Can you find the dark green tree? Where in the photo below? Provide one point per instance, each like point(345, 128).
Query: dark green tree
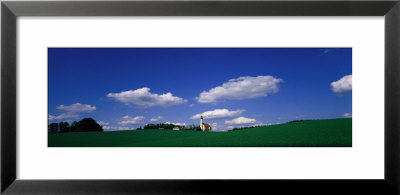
point(197, 128)
point(53, 128)
point(87, 124)
point(64, 127)
point(73, 126)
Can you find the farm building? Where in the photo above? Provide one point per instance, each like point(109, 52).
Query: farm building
point(175, 128)
point(204, 126)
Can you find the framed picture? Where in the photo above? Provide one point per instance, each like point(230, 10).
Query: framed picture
point(138, 116)
point(173, 96)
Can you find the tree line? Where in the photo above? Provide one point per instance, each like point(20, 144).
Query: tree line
point(169, 126)
point(89, 124)
point(86, 124)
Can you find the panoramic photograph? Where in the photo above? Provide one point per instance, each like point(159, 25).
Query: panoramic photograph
point(199, 97)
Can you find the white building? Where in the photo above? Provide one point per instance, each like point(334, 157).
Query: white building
point(204, 126)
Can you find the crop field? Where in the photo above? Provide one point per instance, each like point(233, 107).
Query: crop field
point(313, 133)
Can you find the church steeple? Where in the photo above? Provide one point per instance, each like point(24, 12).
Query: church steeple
point(204, 126)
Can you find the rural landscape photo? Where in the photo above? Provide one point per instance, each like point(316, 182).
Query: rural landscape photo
point(199, 97)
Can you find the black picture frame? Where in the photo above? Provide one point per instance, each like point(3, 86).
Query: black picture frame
point(11, 10)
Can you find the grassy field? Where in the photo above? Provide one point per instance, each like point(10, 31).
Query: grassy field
point(323, 133)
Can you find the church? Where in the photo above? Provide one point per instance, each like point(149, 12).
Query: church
point(204, 126)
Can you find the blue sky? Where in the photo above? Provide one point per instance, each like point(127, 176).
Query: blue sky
point(124, 88)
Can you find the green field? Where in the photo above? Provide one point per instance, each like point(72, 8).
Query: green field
point(322, 133)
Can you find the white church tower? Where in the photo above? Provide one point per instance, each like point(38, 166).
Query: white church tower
point(204, 126)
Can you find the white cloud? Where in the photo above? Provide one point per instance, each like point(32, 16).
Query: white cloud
point(241, 121)
point(142, 97)
point(218, 114)
point(215, 126)
point(70, 112)
point(179, 124)
point(241, 88)
point(113, 128)
point(102, 123)
point(77, 107)
point(127, 120)
point(108, 128)
point(51, 117)
point(343, 86)
point(347, 115)
point(63, 116)
point(156, 119)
